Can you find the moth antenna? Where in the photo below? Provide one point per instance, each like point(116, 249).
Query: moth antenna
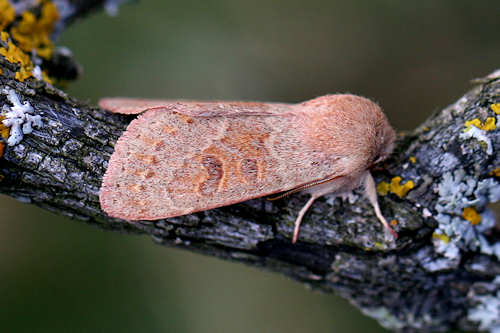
point(303, 187)
point(285, 194)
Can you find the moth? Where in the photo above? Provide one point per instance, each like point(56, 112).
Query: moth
point(181, 157)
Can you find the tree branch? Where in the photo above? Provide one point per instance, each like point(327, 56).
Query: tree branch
point(442, 272)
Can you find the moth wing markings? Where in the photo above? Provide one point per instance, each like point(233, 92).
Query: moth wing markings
point(150, 156)
point(168, 164)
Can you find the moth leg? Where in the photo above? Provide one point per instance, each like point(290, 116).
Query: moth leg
point(301, 215)
point(371, 194)
point(330, 186)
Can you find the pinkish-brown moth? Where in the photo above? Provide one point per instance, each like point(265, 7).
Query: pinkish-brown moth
point(181, 157)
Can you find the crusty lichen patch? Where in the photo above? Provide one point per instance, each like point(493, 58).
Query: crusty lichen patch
point(19, 117)
point(495, 172)
point(4, 36)
point(442, 237)
point(471, 215)
point(488, 125)
point(7, 14)
point(478, 129)
point(4, 130)
point(384, 317)
point(486, 311)
point(395, 187)
point(461, 228)
point(495, 108)
point(480, 135)
point(33, 33)
point(28, 36)
point(15, 55)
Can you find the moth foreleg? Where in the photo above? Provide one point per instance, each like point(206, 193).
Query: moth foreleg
point(371, 194)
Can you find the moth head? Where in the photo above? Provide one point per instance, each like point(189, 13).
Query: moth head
point(385, 137)
point(346, 128)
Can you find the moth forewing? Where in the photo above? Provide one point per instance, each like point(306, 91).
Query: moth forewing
point(181, 157)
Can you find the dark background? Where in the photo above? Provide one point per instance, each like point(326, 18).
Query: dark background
point(57, 275)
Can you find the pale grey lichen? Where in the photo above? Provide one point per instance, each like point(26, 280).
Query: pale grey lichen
point(448, 249)
point(453, 192)
point(65, 9)
point(431, 262)
point(480, 135)
point(37, 73)
point(33, 159)
point(493, 75)
point(440, 264)
point(55, 167)
point(21, 6)
point(444, 162)
point(391, 322)
point(19, 117)
point(489, 249)
point(112, 6)
point(385, 318)
point(455, 234)
point(487, 311)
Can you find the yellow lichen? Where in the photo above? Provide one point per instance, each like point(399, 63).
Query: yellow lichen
point(413, 159)
point(376, 246)
point(395, 187)
point(442, 237)
point(23, 74)
point(495, 172)
point(16, 55)
point(471, 215)
point(488, 125)
point(495, 108)
point(1, 71)
point(34, 34)
point(4, 130)
point(394, 223)
point(401, 190)
point(46, 77)
point(1, 149)
point(4, 35)
point(383, 188)
point(474, 122)
point(7, 13)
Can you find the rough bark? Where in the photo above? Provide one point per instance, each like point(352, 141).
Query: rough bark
point(441, 273)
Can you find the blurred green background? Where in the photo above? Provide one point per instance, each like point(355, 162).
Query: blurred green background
point(57, 275)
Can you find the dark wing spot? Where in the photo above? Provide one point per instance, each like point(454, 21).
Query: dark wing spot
point(215, 173)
